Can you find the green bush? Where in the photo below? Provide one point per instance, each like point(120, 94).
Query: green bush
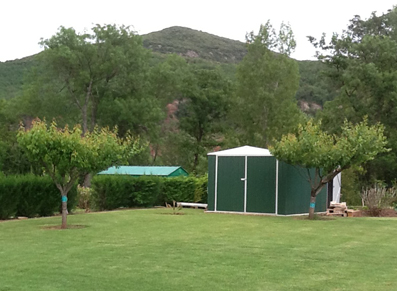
point(201, 193)
point(9, 197)
point(38, 196)
point(111, 192)
point(146, 191)
point(30, 196)
point(178, 189)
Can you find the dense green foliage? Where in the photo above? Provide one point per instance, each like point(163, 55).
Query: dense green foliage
point(152, 249)
point(266, 84)
point(112, 192)
point(85, 69)
point(313, 87)
point(30, 196)
point(204, 105)
point(361, 67)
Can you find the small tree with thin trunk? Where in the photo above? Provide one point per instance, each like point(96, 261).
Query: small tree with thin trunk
point(329, 155)
point(65, 154)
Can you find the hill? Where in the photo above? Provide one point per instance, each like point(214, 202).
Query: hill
point(12, 76)
point(204, 49)
point(195, 44)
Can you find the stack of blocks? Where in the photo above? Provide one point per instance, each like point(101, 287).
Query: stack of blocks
point(337, 209)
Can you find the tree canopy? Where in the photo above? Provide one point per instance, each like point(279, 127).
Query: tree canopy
point(362, 69)
point(82, 69)
point(267, 80)
point(65, 155)
point(328, 154)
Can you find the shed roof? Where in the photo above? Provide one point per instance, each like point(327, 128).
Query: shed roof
point(141, 170)
point(243, 151)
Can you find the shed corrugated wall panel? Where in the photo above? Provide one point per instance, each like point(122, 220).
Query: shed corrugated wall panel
point(211, 183)
point(230, 193)
point(294, 191)
point(321, 200)
point(261, 184)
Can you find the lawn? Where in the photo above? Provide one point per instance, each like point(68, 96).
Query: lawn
point(151, 250)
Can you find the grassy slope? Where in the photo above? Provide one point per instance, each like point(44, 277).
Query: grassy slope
point(147, 250)
point(12, 75)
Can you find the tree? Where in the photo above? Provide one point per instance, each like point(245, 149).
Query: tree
point(12, 158)
point(362, 68)
point(167, 82)
point(66, 155)
point(82, 69)
point(204, 105)
point(266, 85)
point(329, 155)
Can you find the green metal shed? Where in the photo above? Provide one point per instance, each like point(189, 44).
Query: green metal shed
point(137, 171)
point(250, 180)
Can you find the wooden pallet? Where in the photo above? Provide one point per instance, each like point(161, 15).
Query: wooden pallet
point(337, 212)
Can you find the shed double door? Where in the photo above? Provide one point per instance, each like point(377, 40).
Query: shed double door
point(246, 184)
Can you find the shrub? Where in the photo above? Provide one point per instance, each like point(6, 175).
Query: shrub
point(111, 192)
point(378, 197)
point(38, 196)
point(84, 197)
point(9, 197)
point(178, 189)
point(30, 196)
point(201, 191)
point(145, 191)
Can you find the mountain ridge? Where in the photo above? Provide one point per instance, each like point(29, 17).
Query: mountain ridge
point(193, 43)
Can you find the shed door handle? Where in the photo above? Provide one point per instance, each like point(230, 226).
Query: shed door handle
point(243, 179)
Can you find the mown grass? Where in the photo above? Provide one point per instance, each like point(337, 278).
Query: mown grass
point(150, 250)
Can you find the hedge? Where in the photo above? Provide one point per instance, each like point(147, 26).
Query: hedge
point(30, 196)
point(111, 192)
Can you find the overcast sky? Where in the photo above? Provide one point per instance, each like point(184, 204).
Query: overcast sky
point(24, 22)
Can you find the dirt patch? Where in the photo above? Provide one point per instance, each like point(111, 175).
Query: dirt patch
point(316, 217)
point(382, 213)
point(388, 213)
point(176, 213)
point(54, 227)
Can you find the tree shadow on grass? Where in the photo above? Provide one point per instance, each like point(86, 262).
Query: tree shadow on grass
point(58, 227)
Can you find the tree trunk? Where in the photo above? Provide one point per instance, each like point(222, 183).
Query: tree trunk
point(196, 157)
point(312, 206)
point(313, 194)
point(87, 180)
point(94, 106)
point(84, 118)
point(64, 211)
point(317, 186)
point(84, 109)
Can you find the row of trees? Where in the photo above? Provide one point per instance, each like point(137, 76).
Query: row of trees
point(180, 110)
point(361, 68)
